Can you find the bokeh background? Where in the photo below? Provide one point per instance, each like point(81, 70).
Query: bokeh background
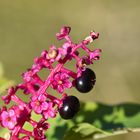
point(28, 27)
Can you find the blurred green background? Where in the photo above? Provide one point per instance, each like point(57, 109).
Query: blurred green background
point(28, 27)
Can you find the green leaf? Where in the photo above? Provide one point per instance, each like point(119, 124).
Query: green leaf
point(57, 128)
point(83, 131)
point(106, 119)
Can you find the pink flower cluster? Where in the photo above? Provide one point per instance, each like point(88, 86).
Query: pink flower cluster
point(42, 102)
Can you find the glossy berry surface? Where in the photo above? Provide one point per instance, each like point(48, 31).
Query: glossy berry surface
point(86, 81)
point(90, 74)
point(70, 107)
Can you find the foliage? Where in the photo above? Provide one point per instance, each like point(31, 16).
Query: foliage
point(97, 120)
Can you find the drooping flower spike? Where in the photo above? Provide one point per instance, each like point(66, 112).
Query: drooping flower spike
point(60, 78)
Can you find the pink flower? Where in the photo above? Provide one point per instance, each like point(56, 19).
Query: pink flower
point(63, 32)
point(39, 134)
point(53, 54)
point(9, 119)
point(50, 112)
point(7, 98)
point(40, 62)
point(87, 60)
point(95, 55)
point(61, 81)
point(67, 47)
point(39, 103)
point(91, 38)
point(27, 76)
point(23, 87)
point(81, 65)
point(39, 131)
point(94, 35)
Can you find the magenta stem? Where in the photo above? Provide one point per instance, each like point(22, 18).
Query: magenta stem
point(76, 57)
point(28, 133)
point(18, 100)
point(56, 100)
point(44, 87)
point(31, 89)
point(38, 79)
point(16, 131)
point(32, 122)
point(69, 72)
point(86, 48)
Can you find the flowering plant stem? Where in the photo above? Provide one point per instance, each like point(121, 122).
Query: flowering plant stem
point(41, 102)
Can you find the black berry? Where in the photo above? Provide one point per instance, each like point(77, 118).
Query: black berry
point(90, 74)
point(86, 81)
point(70, 107)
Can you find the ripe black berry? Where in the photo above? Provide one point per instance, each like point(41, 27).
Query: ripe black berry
point(90, 74)
point(70, 107)
point(86, 81)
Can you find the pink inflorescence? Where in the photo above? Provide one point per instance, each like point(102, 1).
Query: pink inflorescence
point(42, 102)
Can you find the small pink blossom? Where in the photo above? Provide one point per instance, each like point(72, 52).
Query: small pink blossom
point(39, 103)
point(87, 60)
point(39, 134)
point(40, 62)
point(20, 111)
point(39, 131)
point(66, 45)
point(81, 65)
point(44, 53)
point(61, 81)
point(53, 54)
point(49, 112)
point(9, 118)
point(94, 35)
point(23, 87)
point(95, 55)
point(36, 67)
point(63, 32)
point(67, 48)
point(7, 98)
point(27, 76)
point(91, 38)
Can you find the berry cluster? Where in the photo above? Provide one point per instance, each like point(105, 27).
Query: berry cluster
point(42, 102)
